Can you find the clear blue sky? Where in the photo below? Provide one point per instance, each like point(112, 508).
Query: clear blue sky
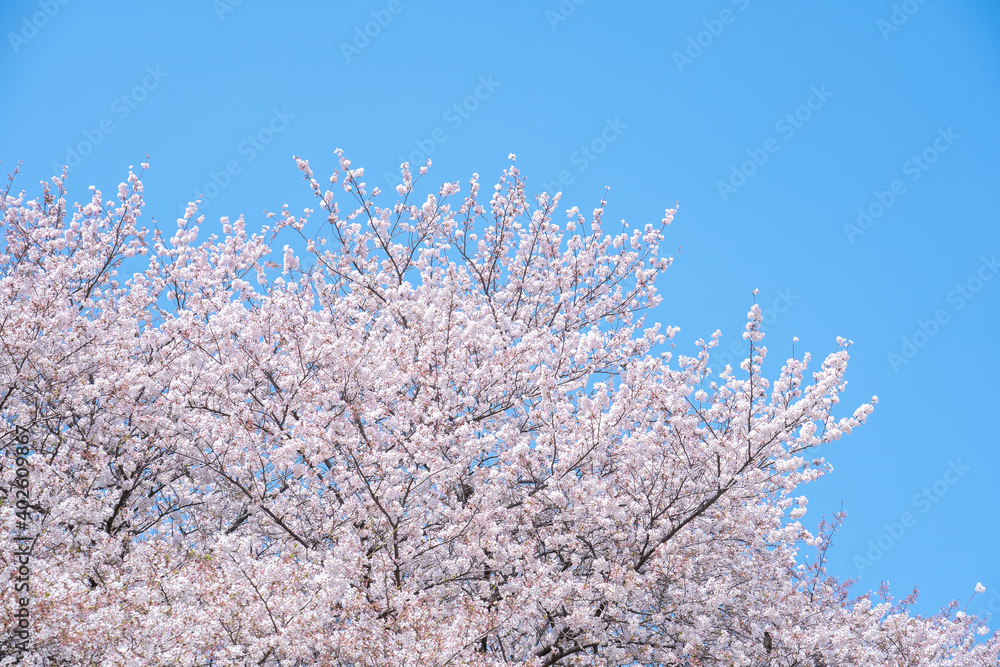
point(771, 124)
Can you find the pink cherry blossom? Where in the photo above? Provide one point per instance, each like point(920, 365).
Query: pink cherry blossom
point(446, 434)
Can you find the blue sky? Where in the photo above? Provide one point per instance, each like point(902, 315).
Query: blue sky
point(839, 157)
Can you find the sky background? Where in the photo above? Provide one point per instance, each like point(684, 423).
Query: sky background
point(839, 157)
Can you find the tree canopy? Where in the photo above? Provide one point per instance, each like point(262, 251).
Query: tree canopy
point(445, 434)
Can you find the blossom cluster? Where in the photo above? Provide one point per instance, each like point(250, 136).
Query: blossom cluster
point(443, 435)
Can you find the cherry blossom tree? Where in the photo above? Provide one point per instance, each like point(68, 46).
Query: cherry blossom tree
point(444, 434)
